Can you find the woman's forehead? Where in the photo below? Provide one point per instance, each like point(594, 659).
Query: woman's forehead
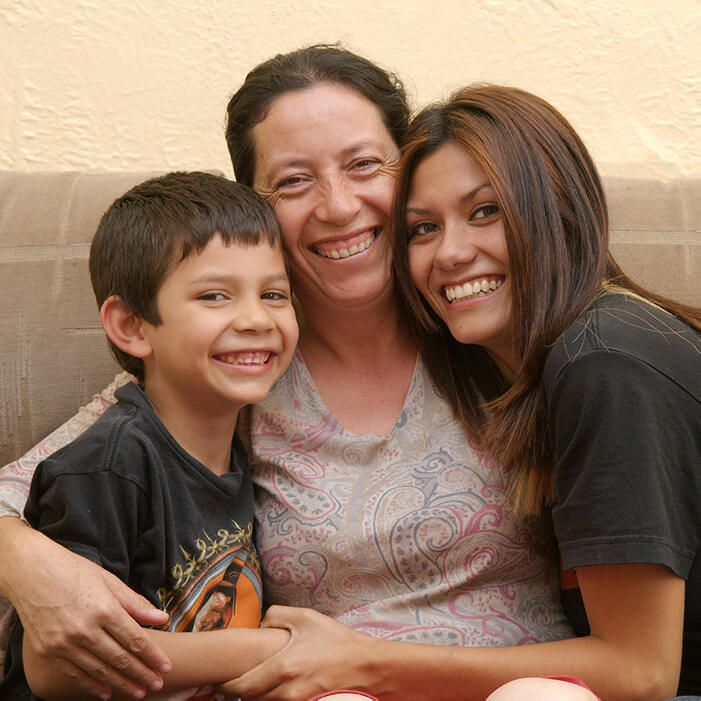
point(314, 120)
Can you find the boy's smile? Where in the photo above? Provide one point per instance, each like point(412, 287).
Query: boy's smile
point(227, 331)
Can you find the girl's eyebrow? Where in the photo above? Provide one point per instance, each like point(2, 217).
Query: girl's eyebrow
point(465, 198)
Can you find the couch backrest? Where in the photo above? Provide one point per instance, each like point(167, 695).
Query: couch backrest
point(53, 354)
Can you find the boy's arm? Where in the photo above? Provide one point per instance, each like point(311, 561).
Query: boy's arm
point(198, 659)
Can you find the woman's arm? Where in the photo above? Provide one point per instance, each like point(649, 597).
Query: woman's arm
point(633, 652)
point(199, 659)
point(77, 616)
point(73, 611)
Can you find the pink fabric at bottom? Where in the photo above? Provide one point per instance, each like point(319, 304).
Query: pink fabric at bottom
point(355, 694)
point(571, 680)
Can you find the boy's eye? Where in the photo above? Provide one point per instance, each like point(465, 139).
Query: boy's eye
point(275, 295)
point(424, 228)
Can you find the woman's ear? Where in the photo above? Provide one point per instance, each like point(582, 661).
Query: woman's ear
point(124, 328)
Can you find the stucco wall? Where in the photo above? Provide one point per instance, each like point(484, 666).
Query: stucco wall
point(142, 84)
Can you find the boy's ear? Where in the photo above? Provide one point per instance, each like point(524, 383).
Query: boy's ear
point(124, 328)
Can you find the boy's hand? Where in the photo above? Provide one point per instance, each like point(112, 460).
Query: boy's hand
point(321, 655)
point(82, 617)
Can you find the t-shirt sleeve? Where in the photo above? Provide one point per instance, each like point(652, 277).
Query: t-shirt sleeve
point(627, 462)
point(16, 476)
point(95, 513)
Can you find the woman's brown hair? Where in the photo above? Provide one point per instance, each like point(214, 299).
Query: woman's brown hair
point(556, 228)
point(299, 70)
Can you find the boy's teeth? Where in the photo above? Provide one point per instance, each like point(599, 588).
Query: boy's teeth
point(247, 358)
point(356, 248)
point(479, 288)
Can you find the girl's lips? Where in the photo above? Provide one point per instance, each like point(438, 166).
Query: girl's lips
point(347, 248)
point(479, 287)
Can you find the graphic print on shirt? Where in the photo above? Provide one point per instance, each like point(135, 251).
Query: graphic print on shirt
point(217, 586)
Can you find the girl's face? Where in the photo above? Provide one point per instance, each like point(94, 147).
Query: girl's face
point(328, 165)
point(457, 250)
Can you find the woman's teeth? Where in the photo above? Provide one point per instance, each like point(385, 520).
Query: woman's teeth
point(479, 288)
point(353, 250)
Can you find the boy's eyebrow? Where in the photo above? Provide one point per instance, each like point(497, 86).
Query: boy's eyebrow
point(210, 278)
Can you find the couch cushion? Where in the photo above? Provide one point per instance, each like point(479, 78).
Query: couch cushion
point(53, 352)
point(656, 234)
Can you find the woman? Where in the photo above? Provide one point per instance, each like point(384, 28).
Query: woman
point(372, 507)
point(592, 383)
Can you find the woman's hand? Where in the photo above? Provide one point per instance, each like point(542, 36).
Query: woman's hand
point(322, 655)
point(80, 615)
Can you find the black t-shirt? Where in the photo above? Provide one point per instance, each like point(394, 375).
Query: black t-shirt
point(127, 496)
point(623, 393)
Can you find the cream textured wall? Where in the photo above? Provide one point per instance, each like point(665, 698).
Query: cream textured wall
point(143, 84)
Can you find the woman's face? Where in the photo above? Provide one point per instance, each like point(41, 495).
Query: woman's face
point(457, 250)
point(327, 163)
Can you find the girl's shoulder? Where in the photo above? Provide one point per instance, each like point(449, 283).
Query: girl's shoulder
point(630, 328)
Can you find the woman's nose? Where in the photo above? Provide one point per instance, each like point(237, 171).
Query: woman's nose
point(338, 203)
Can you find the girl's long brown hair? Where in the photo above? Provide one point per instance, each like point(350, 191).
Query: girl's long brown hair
point(556, 227)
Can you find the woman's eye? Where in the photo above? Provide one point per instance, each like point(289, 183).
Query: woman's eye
point(365, 165)
point(422, 229)
point(485, 211)
point(293, 182)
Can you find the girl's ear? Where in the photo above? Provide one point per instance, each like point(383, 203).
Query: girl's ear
point(124, 328)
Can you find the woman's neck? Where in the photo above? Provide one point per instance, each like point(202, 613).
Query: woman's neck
point(375, 331)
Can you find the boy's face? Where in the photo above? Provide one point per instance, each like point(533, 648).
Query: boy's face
point(227, 331)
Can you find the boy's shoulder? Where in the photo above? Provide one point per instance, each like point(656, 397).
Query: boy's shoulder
point(119, 440)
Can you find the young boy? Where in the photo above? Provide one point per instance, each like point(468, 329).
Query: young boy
point(189, 274)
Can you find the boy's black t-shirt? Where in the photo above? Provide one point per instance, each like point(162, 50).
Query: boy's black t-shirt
point(623, 393)
point(125, 495)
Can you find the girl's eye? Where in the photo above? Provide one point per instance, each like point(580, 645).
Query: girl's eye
point(485, 211)
point(212, 297)
point(424, 228)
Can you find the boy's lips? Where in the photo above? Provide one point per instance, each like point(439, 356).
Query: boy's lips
point(248, 357)
point(345, 248)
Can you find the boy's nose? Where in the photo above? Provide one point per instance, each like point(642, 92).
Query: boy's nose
point(252, 316)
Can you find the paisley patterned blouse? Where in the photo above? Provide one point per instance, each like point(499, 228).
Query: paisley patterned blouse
point(404, 536)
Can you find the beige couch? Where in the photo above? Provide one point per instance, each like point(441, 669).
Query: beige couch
point(53, 355)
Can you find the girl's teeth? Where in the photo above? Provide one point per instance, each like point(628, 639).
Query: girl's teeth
point(479, 288)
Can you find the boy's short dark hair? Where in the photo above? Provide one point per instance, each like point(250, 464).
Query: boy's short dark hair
point(150, 229)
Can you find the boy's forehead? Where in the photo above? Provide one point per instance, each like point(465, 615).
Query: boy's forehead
point(232, 256)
